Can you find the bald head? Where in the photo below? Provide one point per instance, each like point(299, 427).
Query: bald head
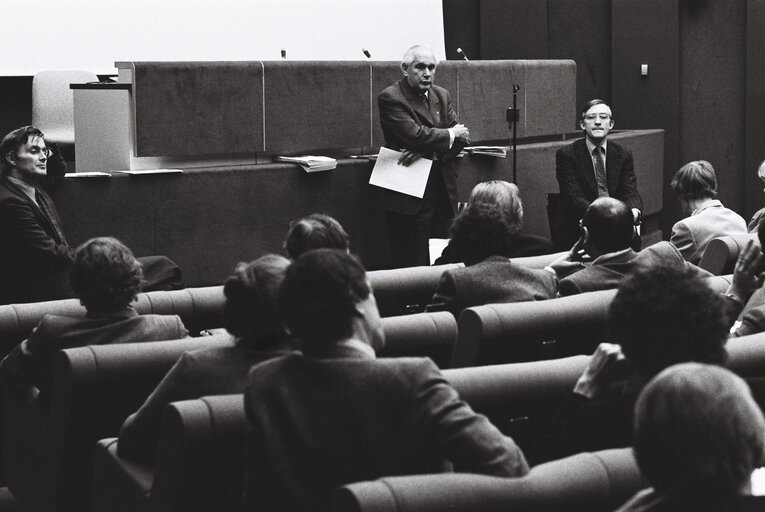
point(609, 224)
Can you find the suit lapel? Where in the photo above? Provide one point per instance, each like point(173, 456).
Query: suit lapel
point(613, 164)
point(47, 222)
point(418, 105)
point(585, 166)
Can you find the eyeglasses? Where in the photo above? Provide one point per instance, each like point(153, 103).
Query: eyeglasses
point(603, 116)
point(45, 151)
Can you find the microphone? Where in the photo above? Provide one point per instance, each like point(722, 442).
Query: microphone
point(366, 52)
point(459, 50)
point(284, 53)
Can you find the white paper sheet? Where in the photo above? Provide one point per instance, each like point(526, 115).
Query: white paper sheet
point(387, 173)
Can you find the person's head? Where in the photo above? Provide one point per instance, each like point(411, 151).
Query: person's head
point(505, 196)
point(480, 231)
point(698, 432)
point(105, 275)
point(761, 172)
point(419, 67)
point(596, 120)
point(326, 298)
point(695, 181)
point(251, 310)
point(666, 314)
point(607, 226)
point(24, 154)
point(316, 231)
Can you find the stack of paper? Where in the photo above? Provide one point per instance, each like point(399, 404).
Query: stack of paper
point(310, 163)
point(495, 151)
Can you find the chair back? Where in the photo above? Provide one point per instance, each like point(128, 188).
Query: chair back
point(53, 102)
point(721, 253)
point(598, 481)
point(432, 335)
point(48, 452)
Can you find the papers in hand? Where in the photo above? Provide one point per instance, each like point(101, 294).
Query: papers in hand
point(310, 163)
point(495, 151)
point(388, 173)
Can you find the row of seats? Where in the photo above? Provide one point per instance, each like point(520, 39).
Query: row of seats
point(201, 462)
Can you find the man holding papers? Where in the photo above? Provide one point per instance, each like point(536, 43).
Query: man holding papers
point(418, 120)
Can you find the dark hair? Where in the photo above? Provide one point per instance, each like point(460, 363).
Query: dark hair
point(316, 231)
point(698, 433)
point(592, 103)
point(609, 223)
point(695, 180)
point(105, 275)
point(666, 314)
point(319, 295)
point(480, 231)
point(12, 142)
point(251, 310)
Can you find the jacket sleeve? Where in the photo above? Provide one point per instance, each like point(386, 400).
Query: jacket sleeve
point(683, 239)
point(468, 439)
point(445, 296)
point(398, 117)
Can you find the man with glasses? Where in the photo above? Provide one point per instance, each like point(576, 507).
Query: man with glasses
point(34, 255)
point(590, 168)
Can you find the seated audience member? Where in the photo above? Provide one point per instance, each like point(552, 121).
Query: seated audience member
point(335, 414)
point(252, 316)
point(695, 186)
point(316, 231)
point(106, 277)
point(759, 214)
point(607, 230)
point(472, 228)
point(34, 255)
point(488, 277)
point(752, 304)
point(698, 438)
point(660, 316)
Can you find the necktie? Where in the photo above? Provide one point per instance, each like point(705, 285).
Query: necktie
point(600, 172)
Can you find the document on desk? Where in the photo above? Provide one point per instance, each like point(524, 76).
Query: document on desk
point(387, 173)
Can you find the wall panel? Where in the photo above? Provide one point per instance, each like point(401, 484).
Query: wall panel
point(514, 29)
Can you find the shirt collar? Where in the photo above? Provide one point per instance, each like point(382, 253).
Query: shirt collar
point(591, 146)
point(611, 255)
point(709, 203)
point(358, 346)
point(25, 187)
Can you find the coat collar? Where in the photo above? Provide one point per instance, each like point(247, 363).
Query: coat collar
point(418, 105)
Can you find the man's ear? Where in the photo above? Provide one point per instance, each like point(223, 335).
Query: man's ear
point(11, 158)
point(404, 67)
point(581, 125)
point(584, 234)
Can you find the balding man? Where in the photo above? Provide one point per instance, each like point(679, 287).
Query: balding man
point(603, 256)
point(417, 119)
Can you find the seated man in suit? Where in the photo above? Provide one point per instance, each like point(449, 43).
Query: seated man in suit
point(698, 438)
point(106, 277)
point(251, 314)
point(661, 315)
point(590, 168)
point(695, 186)
point(335, 414)
point(481, 235)
point(315, 231)
point(603, 256)
point(34, 255)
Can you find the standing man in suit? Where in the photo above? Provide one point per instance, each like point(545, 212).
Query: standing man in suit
point(335, 414)
point(590, 168)
point(417, 119)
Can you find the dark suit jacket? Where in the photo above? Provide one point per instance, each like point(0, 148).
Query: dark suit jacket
point(607, 271)
point(212, 371)
point(34, 256)
point(318, 423)
point(408, 124)
point(29, 364)
point(518, 246)
point(576, 180)
point(494, 280)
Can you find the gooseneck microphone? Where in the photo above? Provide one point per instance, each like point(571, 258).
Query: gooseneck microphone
point(284, 53)
point(459, 50)
point(366, 52)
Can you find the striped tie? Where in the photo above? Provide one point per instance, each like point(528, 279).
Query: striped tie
point(600, 172)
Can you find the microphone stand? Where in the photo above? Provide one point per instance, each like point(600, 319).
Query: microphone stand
point(513, 116)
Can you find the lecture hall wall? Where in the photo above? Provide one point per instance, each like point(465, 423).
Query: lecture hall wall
point(705, 88)
point(706, 81)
